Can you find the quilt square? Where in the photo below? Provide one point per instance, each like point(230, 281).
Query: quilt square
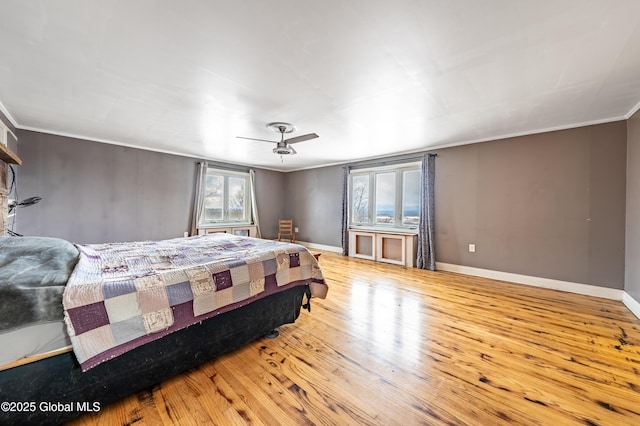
point(224, 297)
point(91, 293)
point(215, 267)
point(256, 270)
point(152, 299)
point(179, 293)
point(121, 308)
point(183, 314)
point(157, 320)
point(270, 266)
point(234, 263)
point(88, 317)
point(305, 271)
point(93, 342)
point(113, 268)
point(241, 291)
point(198, 273)
point(161, 262)
point(128, 330)
point(256, 286)
point(283, 261)
point(306, 258)
point(204, 303)
point(139, 263)
point(270, 282)
point(202, 286)
point(149, 281)
point(240, 275)
point(180, 259)
point(283, 276)
point(294, 275)
point(176, 276)
point(118, 288)
point(222, 280)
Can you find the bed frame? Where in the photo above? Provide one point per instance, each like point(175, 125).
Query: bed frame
point(58, 383)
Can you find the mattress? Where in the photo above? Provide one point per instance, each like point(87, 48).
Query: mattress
point(32, 340)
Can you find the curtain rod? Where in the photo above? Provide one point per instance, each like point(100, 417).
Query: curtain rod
point(226, 166)
point(391, 162)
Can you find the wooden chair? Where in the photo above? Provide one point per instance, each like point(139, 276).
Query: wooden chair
point(285, 230)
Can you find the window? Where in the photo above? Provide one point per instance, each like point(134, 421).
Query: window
point(386, 196)
point(410, 197)
point(226, 198)
point(360, 199)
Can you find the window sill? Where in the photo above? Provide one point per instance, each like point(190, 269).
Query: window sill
point(391, 230)
point(224, 224)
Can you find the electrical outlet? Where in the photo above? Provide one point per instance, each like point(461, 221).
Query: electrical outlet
point(295, 229)
point(472, 248)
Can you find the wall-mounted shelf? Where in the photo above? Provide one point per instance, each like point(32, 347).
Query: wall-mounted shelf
point(9, 156)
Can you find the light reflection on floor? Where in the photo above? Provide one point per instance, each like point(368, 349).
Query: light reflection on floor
point(388, 319)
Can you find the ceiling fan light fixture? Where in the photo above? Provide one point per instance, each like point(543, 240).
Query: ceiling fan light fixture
point(284, 150)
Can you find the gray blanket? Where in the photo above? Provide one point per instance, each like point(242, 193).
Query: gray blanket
point(33, 274)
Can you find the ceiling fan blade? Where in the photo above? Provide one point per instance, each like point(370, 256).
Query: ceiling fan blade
point(254, 139)
point(301, 138)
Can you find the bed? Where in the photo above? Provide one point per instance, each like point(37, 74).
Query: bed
point(118, 318)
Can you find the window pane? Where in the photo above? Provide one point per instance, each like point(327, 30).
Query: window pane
point(236, 198)
point(411, 197)
point(213, 197)
point(360, 199)
point(385, 198)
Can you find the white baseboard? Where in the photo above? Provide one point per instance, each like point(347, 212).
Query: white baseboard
point(333, 249)
point(585, 289)
point(631, 303)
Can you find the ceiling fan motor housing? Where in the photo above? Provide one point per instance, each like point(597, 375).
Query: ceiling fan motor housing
point(283, 150)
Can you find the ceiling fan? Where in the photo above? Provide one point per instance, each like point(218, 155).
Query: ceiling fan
point(283, 146)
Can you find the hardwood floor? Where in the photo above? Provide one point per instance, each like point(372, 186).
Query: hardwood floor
point(396, 346)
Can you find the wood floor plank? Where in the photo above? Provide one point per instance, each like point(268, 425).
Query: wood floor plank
point(400, 346)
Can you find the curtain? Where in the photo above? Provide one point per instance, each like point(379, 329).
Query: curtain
point(254, 204)
point(426, 254)
point(199, 197)
point(345, 210)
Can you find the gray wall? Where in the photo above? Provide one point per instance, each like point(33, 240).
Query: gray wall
point(550, 205)
point(94, 192)
point(271, 201)
point(314, 202)
point(632, 252)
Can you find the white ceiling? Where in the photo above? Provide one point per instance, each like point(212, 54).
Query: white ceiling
point(372, 78)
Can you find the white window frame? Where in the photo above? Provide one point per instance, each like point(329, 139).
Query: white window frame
point(226, 174)
point(399, 169)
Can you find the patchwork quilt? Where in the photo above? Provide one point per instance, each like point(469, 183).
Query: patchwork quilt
point(123, 295)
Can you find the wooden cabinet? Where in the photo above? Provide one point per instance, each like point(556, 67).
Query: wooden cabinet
point(362, 245)
point(384, 246)
point(242, 230)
